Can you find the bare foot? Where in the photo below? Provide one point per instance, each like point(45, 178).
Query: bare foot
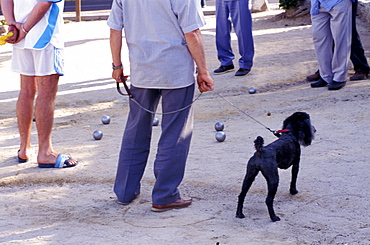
point(52, 158)
point(23, 155)
point(59, 161)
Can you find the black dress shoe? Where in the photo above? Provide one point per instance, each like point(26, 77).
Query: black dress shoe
point(224, 69)
point(319, 84)
point(336, 85)
point(242, 72)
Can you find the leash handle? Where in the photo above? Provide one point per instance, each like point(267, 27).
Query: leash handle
point(123, 80)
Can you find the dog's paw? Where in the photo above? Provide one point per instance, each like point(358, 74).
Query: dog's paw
point(275, 218)
point(293, 191)
point(240, 215)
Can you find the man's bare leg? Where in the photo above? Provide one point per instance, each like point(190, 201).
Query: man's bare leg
point(24, 113)
point(47, 90)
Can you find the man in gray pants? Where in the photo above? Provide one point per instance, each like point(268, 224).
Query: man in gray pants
point(332, 22)
point(164, 41)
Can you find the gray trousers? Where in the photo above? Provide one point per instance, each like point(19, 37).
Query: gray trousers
point(328, 27)
point(173, 145)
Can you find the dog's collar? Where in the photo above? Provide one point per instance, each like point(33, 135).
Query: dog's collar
point(282, 131)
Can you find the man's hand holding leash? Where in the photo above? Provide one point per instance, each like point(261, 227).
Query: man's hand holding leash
point(205, 82)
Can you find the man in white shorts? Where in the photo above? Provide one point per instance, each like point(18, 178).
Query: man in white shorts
point(38, 58)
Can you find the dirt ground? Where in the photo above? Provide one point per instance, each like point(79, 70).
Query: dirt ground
point(78, 206)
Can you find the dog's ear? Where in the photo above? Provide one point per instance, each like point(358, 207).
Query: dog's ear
point(300, 124)
point(306, 134)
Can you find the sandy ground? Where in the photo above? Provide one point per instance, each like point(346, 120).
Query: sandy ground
point(78, 206)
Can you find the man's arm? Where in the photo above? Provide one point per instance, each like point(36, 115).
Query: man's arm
point(35, 16)
point(115, 40)
point(196, 48)
point(7, 7)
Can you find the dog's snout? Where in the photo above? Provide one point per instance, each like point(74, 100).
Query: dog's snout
point(313, 129)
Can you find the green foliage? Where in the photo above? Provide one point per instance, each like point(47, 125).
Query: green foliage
point(288, 4)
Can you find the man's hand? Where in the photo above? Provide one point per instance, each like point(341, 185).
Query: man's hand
point(205, 82)
point(118, 74)
point(12, 39)
point(21, 33)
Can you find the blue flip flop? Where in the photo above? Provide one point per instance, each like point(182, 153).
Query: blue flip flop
point(61, 162)
point(21, 160)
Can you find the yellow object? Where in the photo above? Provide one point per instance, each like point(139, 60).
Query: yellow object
point(3, 38)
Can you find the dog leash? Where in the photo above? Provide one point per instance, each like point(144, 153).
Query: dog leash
point(277, 133)
point(124, 79)
point(274, 132)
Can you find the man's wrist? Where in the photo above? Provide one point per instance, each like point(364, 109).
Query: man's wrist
point(22, 27)
point(116, 67)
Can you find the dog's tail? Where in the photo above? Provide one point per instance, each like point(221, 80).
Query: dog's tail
point(258, 144)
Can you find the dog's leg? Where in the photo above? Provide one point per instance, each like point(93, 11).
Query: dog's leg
point(272, 179)
point(293, 184)
point(248, 180)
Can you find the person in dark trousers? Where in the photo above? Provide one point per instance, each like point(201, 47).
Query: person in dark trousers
point(162, 66)
point(203, 3)
point(358, 57)
point(236, 14)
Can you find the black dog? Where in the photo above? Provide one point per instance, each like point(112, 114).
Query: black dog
point(282, 153)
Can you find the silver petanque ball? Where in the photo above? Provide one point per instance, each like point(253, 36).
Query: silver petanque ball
point(155, 121)
point(252, 90)
point(105, 119)
point(97, 135)
point(220, 136)
point(219, 126)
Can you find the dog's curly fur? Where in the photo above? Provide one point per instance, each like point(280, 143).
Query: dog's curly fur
point(282, 153)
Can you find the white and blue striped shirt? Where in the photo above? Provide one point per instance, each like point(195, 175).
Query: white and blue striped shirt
point(47, 30)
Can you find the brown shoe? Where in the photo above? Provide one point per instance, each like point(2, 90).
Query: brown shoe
point(179, 203)
point(313, 77)
point(359, 76)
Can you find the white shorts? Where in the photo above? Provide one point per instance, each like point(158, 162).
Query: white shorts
point(38, 62)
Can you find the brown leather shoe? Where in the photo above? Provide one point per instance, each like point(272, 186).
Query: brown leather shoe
point(179, 203)
point(313, 77)
point(359, 76)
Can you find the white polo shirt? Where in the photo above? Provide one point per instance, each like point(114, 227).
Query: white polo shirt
point(154, 31)
point(47, 30)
